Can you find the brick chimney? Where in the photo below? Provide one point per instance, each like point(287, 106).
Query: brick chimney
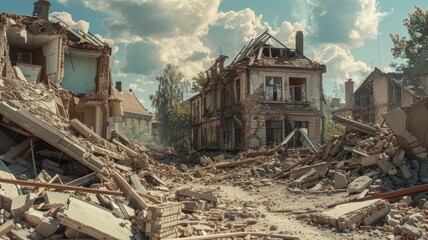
point(349, 90)
point(41, 9)
point(119, 86)
point(299, 42)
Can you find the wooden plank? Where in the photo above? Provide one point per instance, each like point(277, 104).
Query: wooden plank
point(60, 187)
point(130, 192)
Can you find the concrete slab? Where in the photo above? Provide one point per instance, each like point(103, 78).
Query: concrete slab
point(347, 208)
point(94, 221)
point(359, 184)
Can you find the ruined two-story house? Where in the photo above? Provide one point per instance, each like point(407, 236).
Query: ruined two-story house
point(383, 92)
point(259, 98)
point(72, 63)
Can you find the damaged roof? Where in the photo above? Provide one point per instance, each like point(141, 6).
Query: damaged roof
point(259, 52)
point(130, 103)
point(38, 26)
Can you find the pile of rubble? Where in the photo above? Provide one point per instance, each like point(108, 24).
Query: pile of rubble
point(365, 162)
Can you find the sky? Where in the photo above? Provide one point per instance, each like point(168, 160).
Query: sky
point(351, 37)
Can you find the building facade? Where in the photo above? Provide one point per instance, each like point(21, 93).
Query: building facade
point(259, 98)
point(135, 119)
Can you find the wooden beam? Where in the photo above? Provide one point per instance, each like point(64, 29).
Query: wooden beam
point(136, 199)
point(60, 187)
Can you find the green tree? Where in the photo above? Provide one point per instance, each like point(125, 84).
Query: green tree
point(417, 28)
point(169, 94)
point(180, 120)
point(199, 82)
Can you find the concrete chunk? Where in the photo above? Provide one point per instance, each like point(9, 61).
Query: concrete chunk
point(340, 180)
point(34, 217)
point(47, 227)
point(21, 204)
point(359, 184)
point(56, 197)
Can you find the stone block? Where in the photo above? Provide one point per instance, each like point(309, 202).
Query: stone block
point(340, 180)
point(359, 184)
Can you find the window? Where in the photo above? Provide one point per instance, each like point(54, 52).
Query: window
point(357, 102)
point(297, 89)
point(273, 132)
point(273, 88)
point(20, 57)
point(362, 101)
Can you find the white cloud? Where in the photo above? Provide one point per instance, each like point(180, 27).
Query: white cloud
point(367, 22)
point(145, 81)
point(63, 2)
point(341, 64)
point(67, 19)
point(135, 87)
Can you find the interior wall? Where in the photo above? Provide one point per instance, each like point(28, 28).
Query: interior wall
point(51, 51)
point(79, 73)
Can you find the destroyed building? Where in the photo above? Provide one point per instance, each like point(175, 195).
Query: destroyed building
point(383, 92)
point(259, 98)
point(134, 115)
point(70, 62)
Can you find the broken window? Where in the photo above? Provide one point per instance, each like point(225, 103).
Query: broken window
point(297, 89)
point(273, 88)
point(273, 132)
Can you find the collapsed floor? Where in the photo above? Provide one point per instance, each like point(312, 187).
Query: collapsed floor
point(61, 180)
